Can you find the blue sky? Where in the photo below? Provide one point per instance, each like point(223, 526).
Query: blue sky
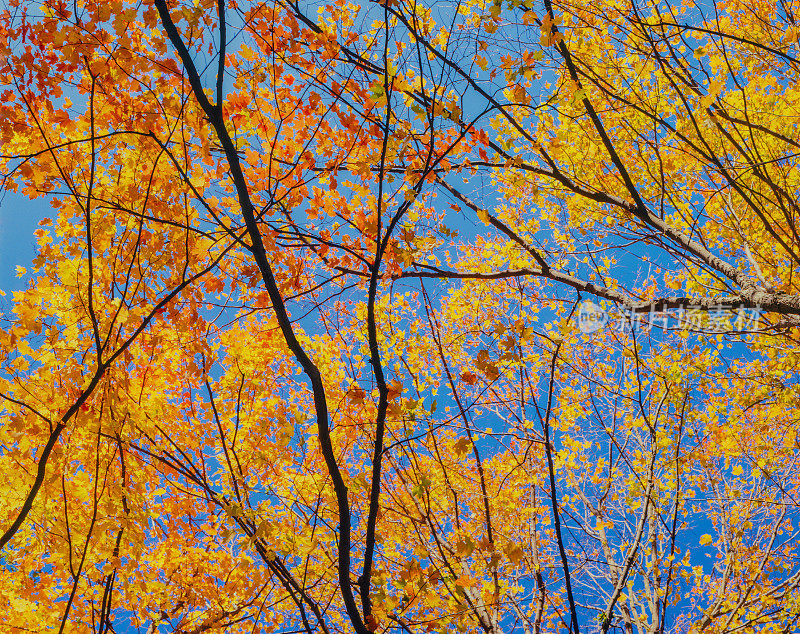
point(19, 217)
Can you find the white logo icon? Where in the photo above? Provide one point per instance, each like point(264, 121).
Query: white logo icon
point(591, 317)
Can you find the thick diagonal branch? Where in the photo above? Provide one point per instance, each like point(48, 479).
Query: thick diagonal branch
point(215, 116)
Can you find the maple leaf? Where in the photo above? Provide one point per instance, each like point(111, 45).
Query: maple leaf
point(462, 446)
point(394, 390)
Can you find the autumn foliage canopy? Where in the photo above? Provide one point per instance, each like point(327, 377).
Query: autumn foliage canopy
point(305, 348)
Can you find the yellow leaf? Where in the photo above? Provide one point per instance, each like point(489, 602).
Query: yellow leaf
point(705, 540)
point(465, 547)
point(466, 582)
point(514, 553)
